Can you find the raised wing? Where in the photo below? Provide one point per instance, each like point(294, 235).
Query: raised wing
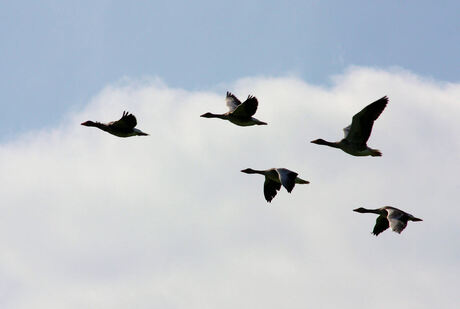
point(232, 101)
point(247, 109)
point(270, 189)
point(361, 125)
point(381, 224)
point(287, 178)
point(397, 219)
point(126, 123)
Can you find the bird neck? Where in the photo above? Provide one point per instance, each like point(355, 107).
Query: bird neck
point(326, 143)
point(99, 125)
point(95, 124)
point(220, 116)
point(374, 211)
point(252, 171)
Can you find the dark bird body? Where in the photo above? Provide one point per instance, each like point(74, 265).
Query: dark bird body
point(276, 177)
point(124, 127)
point(389, 217)
point(357, 134)
point(239, 113)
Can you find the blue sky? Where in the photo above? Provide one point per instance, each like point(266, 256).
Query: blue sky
point(56, 55)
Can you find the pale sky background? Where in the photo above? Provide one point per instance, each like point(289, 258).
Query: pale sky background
point(169, 221)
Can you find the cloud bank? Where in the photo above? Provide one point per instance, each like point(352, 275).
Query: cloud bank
point(169, 221)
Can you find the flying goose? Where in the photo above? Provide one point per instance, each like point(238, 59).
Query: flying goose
point(357, 134)
point(274, 178)
point(389, 217)
point(121, 128)
point(239, 113)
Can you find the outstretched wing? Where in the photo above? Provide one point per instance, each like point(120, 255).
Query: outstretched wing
point(247, 109)
point(232, 101)
point(126, 123)
point(381, 224)
point(270, 189)
point(287, 178)
point(361, 125)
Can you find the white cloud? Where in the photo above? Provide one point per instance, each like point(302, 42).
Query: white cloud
point(169, 221)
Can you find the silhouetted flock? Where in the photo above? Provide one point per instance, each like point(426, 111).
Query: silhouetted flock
point(353, 143)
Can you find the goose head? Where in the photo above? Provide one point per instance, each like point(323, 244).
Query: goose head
point(88, 123)
point(319, 141)
point(360, 209)
point(249, 171)
point(207, 115)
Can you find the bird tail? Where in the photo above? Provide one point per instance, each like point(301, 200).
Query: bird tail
point(376, 153)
